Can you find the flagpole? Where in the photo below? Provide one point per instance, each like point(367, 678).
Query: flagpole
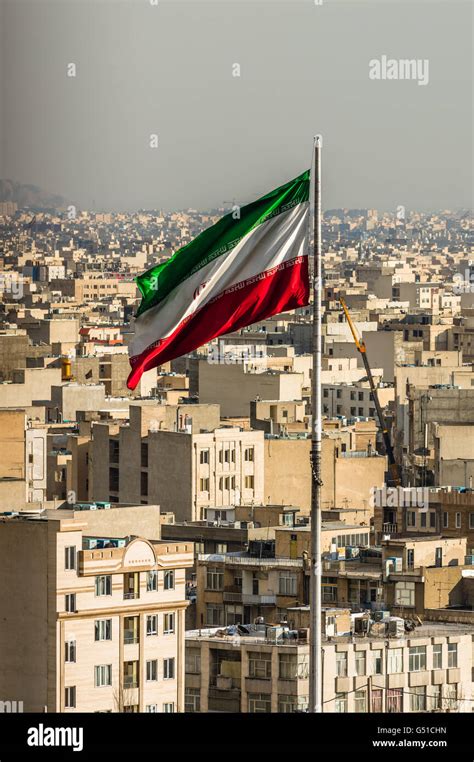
point(315, 682)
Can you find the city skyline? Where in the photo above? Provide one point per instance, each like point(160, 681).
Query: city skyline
point(257, 82)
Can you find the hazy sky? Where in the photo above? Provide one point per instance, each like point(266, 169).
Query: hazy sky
point(167, 70)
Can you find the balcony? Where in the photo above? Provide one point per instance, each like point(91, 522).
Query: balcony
point(130, 683)
point(131, 595)
point(231, 596)
point(259, 600)
point(389, 528)
point(129, 638)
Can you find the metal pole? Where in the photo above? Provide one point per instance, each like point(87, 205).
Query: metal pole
point(315, 682)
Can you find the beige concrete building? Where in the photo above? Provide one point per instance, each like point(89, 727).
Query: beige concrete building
point(234, 386)
point(103, 626)
point(348, 477)
point(186, 470)
point(427, 670)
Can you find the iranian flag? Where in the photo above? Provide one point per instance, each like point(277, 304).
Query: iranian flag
point(251, 264)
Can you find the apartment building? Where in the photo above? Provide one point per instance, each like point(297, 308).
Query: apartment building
point(23, 464)
point(266, 670)
point(348, 475)
point(269, 578)
point(103, 626)
point(353, 400)
point(185, 471)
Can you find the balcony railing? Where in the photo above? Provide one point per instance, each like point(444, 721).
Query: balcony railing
point(231, 560)
point(130, 637)
point(128, 596)
point(389, 528)
point(259, 600)
point(130, 682)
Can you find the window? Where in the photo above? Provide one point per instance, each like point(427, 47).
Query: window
point(260, 664)
point(417, 658)
point(114, 480)
point(152, 670)
point(114, 450)
point(204, 484)
point(445, 520)
point(434, 697)
point(423, 520)
point(471, 521)
point(214, 614)
point(259, 702)
point(394, 661)
point(249, 482)
point(70, 651)
point(341, 703)
point(286, 703)
point(377, 700)
point(204, 457)
point(452, 655)
point(131, 629)
point(192, 700)
point(169, 580)
point(151, 580)
point(450, 697)
point(70, 557)
point(70, 602)
point(418, 698)
point(287, 666)
point(152, 624)
point(103, 675)
point(394, 700)
point(168, 708)
point(360, 663)
point(168, 669)
point(432, 520)
point(458, 521)
point(377, 662)
point(411, 518)
point(405, 593)
point(103, 629)
point(70, 697)
point(221, 547)
point(151, 708)
point(341, 664)
point(438, 656)
point(168, 624)
point(249, 454)
point(144, 455)
point(215, 578)
point(144, 483)
point(288, 583)
point(103, 585)
point(193, 660)
point(360, 701)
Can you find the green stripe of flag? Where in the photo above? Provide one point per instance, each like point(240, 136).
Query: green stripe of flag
point(217, 240)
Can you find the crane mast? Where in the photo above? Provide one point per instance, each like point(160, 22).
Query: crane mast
point(393, 468)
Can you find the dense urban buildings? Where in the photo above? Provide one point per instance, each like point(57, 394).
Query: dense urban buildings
point(155, 544)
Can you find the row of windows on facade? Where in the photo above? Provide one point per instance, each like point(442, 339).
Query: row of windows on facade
point(103, 676)
point(256, 702)
point(354, 411)
point(226, 482)
point(360, 396)
point(291, 666)
point(131, 586)
point(103, 631)
point(227, 455)
point(421, 699)
point(417, 660)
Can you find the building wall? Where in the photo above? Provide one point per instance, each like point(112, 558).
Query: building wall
point(24, 563)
